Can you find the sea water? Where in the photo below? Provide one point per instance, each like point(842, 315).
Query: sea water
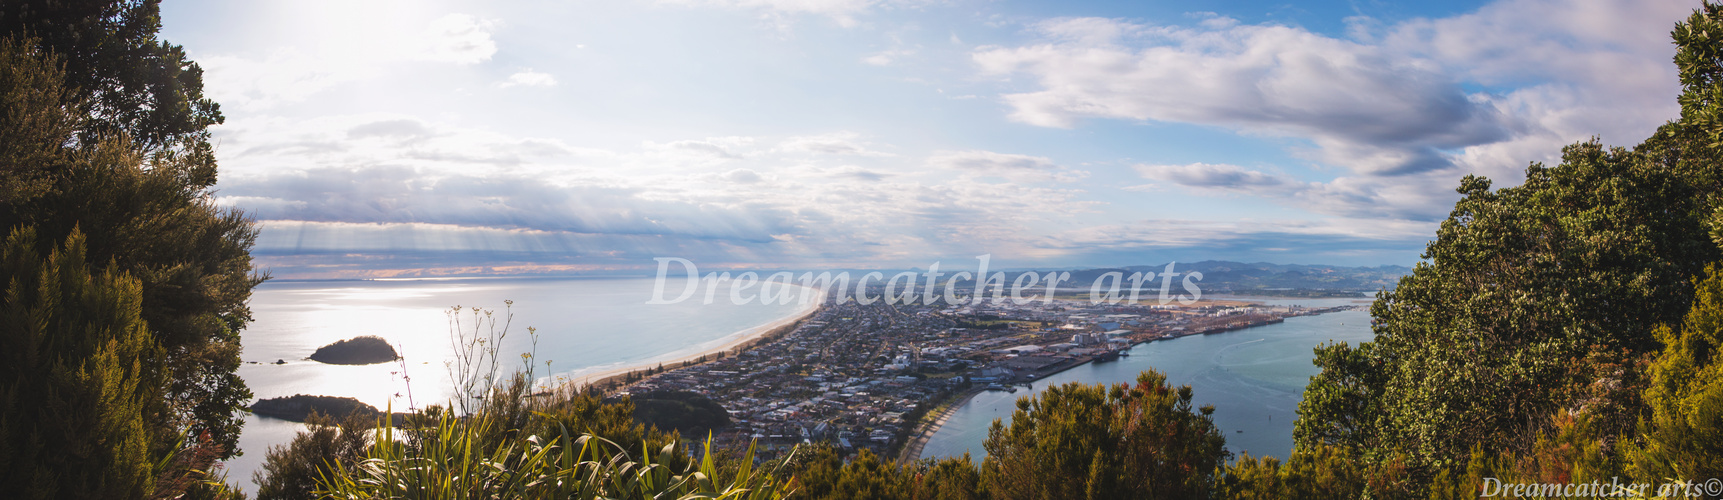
point(1254, 377)
point(584, 325)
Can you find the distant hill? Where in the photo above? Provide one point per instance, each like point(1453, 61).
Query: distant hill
point(1263, 278)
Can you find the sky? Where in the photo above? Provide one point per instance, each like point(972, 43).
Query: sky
point(427, 138)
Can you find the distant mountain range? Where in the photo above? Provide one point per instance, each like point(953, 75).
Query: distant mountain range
point(1263, 278)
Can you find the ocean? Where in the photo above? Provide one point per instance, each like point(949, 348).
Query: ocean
point(1254, 377)
point(585, 326)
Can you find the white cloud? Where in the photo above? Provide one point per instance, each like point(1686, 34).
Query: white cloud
point(459, 39)
point(1405, 198)
point(990, 161)
point(1364, 108)
point(1023, 168)
point(844, 12)
point(742, 176)
point(839, 143)
point(528, 78)
point(1207, 175)
point(1391, 101)
point(886, 57)
point(392, 181)
point(342, 54)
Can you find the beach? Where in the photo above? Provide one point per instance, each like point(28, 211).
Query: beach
point(600, 325)
point(732, 344)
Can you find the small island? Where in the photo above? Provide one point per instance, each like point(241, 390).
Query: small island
point(299, 407)
point(365, 350)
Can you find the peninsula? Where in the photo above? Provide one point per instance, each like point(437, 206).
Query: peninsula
point(868, 376)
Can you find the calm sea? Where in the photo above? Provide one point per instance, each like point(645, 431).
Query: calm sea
point(585, 325)
point(1253, 377)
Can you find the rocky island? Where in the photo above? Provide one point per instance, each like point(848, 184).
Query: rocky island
point(363, 350)
point(300, 406)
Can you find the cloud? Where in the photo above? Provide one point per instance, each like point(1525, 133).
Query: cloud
point(528, 78)
point(459, 39)
point(708, 151)
point(989, 161)
point(843, 12)
point(1392, 100)
point(1280, 240)
point(858, 173)
point(405, 185)
point(1207, 175)
point(390, 128)
point(1363, 107)
point(885, 58)
point(1403, 198)
point(369, 46)
point(1013, 166)
point(359, 195)
point(840, 143)
point(742, 176)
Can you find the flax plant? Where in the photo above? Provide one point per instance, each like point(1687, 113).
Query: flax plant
point(449, 459)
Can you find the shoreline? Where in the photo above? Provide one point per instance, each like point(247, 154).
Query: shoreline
point(912, 449)
point(743, 339)
point(919, 443)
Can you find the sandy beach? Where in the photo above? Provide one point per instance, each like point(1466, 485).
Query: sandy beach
point(918, 441)
point(732, 342)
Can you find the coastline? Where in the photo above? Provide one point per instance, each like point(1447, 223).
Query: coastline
point(739, 341)
point(912, 449)
point(931, 426)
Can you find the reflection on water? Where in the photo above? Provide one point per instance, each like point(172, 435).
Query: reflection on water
point(1254, 378)
point(585, 326)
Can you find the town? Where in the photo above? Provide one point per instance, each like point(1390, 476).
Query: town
point(864, 376)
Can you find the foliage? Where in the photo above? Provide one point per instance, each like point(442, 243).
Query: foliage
point(35, 122)
point(1083, 441)
point(1341, 403)
point(1477, 349)
point(454, 458)
point(1325, 472)
point(125, 80)
point(476, 365)
point(1571, 451)
point(115, 145)
point(291, 471)
point(72, 385)
point(1699, 43)
point(1683, 438)
point(681, 411)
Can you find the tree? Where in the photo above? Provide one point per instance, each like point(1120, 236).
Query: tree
point(291, 471)
point(1534, 297)
point(1325, 472)
point(1340, 403)
point(123, 78)
point(1086, 441)
point(74, 390)
point(1683, 438)
point(115, 144)
point(36, 122)
point(1478, 343)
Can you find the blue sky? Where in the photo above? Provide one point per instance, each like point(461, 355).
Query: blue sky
point(430, 138)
